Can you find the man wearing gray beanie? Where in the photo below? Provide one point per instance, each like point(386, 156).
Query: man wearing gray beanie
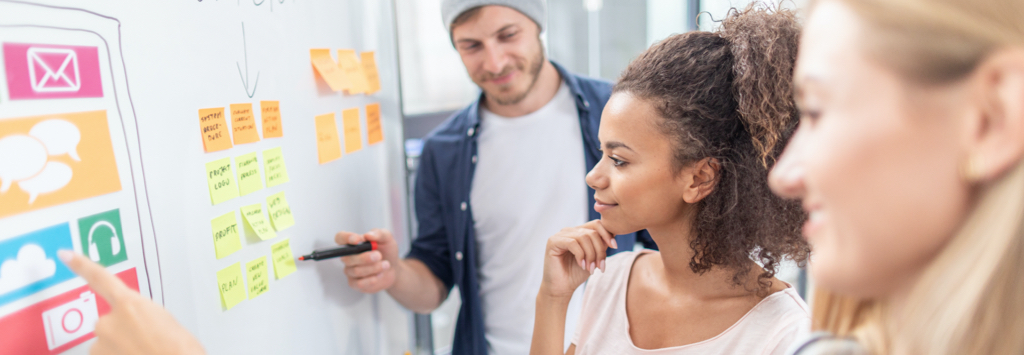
point(495, 181)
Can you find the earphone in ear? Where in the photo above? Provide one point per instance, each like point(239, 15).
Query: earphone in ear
point(115, 244)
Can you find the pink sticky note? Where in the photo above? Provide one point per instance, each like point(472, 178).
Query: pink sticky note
point(44, 71)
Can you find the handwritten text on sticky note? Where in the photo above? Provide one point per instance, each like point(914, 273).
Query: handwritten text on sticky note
point(284, 262)
point(353, 138)
point(243, 124)
point(221, 178)
point(214, 129)
point(327, 68)
point(328, 145)
point(370, 70)
point(374, 132)
point(355, 80)
point(249, 179)
point(270, 112)
point(273, 163)
point(256, 273)
point(225, 235)
point(280, 212)
point(232, 286)
point(253, 215)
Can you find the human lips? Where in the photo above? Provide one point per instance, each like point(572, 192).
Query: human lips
point(816, 219)
point(601, 206)
point(504, 79)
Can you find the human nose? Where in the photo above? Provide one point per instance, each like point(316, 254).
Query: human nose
point(495, 59)
point(596, 178)
point(787, 178)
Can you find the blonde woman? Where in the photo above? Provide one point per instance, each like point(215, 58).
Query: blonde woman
point(908, 159)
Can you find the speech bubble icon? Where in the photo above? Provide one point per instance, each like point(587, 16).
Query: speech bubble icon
point(54, 176)
point(21, 157)
point(59, 136)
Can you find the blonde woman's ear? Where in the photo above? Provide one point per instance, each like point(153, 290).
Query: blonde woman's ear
point(996, 137)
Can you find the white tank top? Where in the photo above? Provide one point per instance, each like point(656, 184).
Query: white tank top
point(770, 327)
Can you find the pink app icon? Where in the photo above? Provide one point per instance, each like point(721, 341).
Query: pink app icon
point(41, 71)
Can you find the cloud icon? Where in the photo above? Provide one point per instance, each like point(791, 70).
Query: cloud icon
point(30, 266)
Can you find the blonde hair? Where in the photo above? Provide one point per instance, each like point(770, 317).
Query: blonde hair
point(970, 298)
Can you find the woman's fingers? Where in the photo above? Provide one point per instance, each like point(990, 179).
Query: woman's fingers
point(608, 237)
point(600, 249)
point(590, 248)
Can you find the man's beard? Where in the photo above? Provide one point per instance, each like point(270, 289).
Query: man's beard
point(533, 72)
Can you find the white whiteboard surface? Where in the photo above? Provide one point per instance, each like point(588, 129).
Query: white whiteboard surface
point(162, 61)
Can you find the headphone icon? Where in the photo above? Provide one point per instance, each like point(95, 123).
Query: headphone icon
point(115, 244)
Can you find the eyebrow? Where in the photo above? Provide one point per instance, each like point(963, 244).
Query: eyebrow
point(500, 30)
point(616, 144)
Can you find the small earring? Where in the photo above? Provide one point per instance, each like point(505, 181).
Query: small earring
point(971, 169)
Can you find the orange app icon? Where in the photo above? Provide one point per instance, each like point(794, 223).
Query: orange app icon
point(55, 159)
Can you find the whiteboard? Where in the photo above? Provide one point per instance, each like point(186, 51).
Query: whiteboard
point(140, 73)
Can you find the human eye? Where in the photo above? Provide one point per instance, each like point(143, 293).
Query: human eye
point(617, 162)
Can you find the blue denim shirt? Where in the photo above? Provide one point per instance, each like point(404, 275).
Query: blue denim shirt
point(446, 242)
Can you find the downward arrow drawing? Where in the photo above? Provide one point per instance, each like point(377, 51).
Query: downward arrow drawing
point(245, 78)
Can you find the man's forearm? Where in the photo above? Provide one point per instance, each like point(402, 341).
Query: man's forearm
point(416, 287)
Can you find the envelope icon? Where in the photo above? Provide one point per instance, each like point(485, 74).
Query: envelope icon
point(53, 70)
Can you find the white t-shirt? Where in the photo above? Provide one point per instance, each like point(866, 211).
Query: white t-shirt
point(529, 184)
point(770, 328)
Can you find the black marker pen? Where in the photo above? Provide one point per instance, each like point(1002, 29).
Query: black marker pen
point(340, 251)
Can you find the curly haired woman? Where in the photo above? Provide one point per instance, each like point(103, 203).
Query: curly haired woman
point(689, 135)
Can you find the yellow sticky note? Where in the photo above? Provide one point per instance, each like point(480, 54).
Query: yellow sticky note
point(232, 287)
point(273, 165)
point(256, 273)
point(243, 124)
point(221, 178)
point(353, 139)
point(284, 262)
point(370, 70)
point(249, 179)
point(374, 133)
point(270, 112)
point(225, 235)
point(354, 78)
point(328, 145)
point(280, 213)
point(214, 129)
point(327, 68)
point(253, 215)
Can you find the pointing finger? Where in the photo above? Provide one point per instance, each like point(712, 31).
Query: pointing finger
point(100, 280)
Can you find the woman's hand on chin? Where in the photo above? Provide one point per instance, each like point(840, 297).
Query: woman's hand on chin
point(572, 255)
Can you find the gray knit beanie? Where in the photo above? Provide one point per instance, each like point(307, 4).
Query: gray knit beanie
point(536, 10)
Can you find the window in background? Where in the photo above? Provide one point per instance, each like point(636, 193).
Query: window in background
point(433, 77)
point(718, 9)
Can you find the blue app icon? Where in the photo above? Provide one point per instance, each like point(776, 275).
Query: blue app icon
point(29, 264)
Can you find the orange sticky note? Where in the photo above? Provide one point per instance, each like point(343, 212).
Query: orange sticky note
point(55, 159)
point(354, 78)
point(353, 140)
point(214, 129)
point(271, 114)
point(327, 68)
point(328, 145)
point(374, 134)
point(243, 124)
point(370, 70)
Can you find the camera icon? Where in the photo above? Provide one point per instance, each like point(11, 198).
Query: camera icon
point(71, 320)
